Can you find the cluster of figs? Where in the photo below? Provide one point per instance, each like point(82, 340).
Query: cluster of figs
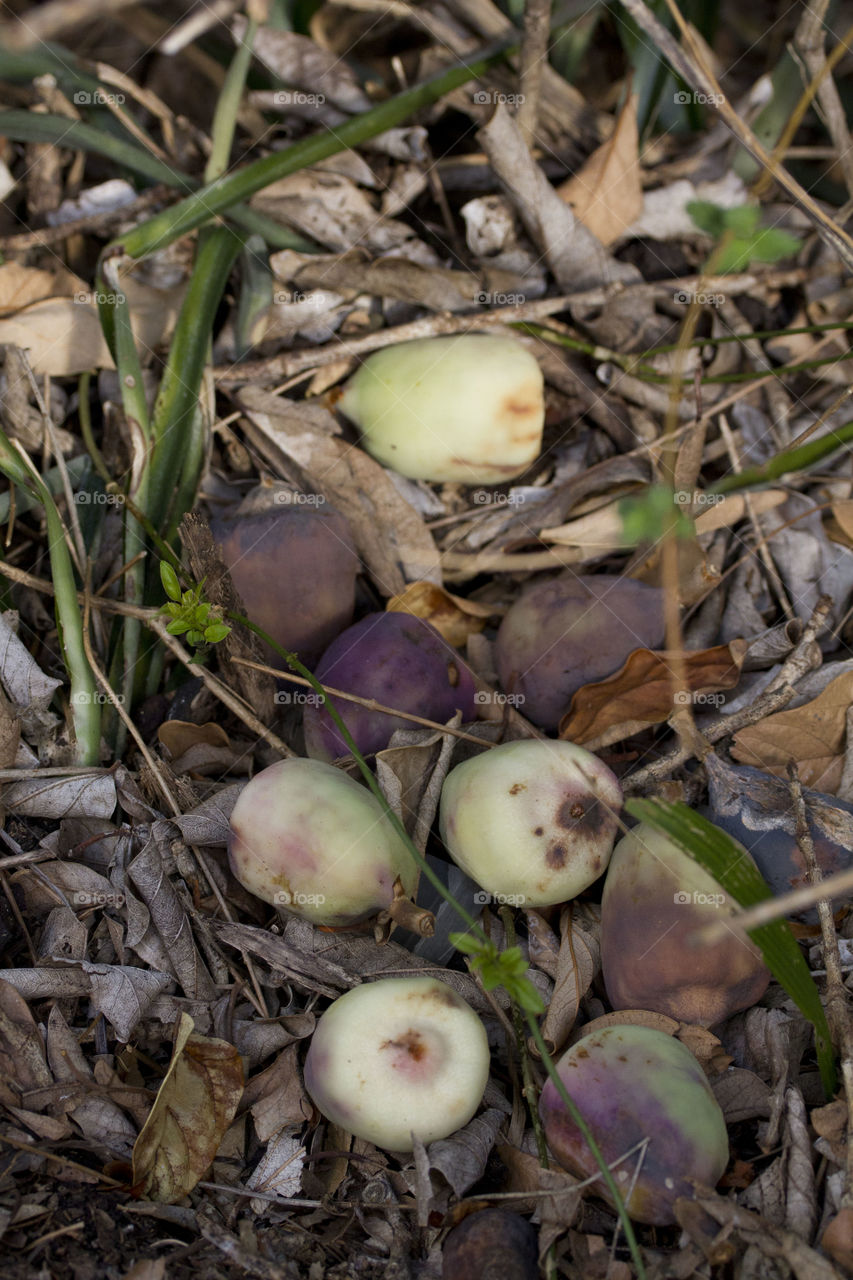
point(532, 821)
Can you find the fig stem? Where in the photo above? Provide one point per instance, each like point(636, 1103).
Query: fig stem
point(407, 914)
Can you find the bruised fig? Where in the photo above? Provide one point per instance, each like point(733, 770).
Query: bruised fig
point(294, 567)
point(756, 808)
point(468, 408)
point(398, 660)
point(634, 1086)
point(655, 898)
point(397, 1057)
point(307, 837)
point(571, 631)
point(533, 822)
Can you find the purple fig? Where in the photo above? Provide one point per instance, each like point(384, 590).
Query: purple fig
point(655, 899)
point(295, 568)
point(571, 631)
point(398, 660)
point(645, 1098)
point(492, 1244)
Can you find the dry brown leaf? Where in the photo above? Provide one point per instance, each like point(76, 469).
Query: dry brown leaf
point(640, 694)
point(177, 736)
point(607, 193)
point(813, 735)
point(194, 1106)
point(627, 1017)
point(839, 524)
point(455, 618)
point(19, 285)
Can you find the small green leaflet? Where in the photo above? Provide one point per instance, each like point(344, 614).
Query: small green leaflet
point(191, 615)
point(656, 513)
point(501, 969)
point(746, 240)
point(722, 856)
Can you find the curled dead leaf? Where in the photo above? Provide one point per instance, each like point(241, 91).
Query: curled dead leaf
point(455, 618)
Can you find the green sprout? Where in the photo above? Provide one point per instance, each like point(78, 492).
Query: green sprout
point(191, 615)
point(745, 240)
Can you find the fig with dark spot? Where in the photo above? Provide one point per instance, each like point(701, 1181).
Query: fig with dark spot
point(655, 899)
point(756, 809)
point(492, 1244)
point(307, 837)
point(649, 1106)
point(295, 568)
point(397, 1057)
point(533, 822)
point(571, 631)
point(397, 660)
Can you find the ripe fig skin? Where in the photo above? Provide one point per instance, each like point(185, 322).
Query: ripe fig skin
point(295, 569)
point(398, 660)
point(491, 1244)
point(396, 1056)
point(533, 821)
point(655, 897)
point(468, 408)
point(570, 631)
point(633, 1083)
point(302, 830)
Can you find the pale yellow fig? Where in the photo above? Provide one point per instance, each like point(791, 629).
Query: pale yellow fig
point(468, 408)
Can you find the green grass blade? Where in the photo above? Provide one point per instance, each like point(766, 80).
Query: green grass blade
point(719, 854)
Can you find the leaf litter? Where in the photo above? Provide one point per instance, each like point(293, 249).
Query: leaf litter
point(152, 1014)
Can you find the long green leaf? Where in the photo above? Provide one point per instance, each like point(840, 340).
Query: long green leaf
point(722, 856)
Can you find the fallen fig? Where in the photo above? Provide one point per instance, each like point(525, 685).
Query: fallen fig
point(397, 1057)
point(306, 836)
point(492, 1244)
point(533, 822)
point(756, 809)
point(570, 631)
point(645, 1098)
point(655, 898)
point(295, 568)
point(397, 660)
point(468, 408)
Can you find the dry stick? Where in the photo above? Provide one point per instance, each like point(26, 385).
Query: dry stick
point(770, 909)
point(809, 40)
point(529, 1091)
point(534, 56)
point(692, 67)
point(836, 1001)
point(45, 236)
point(804, 658)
